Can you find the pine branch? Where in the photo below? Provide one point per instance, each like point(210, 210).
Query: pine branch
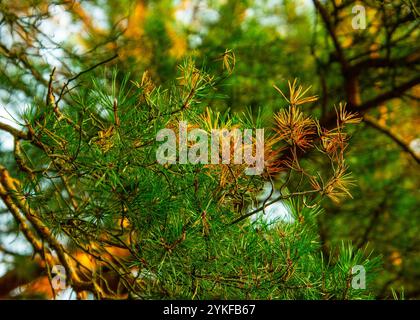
point(14, 132)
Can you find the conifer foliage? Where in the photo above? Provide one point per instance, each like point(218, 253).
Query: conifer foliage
point(88, 194)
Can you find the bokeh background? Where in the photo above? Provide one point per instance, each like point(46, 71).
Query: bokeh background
point(373, 67)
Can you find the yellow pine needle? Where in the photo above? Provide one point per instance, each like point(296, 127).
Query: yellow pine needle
point(228, 60)
point(296, 94)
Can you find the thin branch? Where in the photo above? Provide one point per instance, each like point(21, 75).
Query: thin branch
point(394, 93)
point(330, 28)
point(13, 131)
point(116, 117)
point(16, 203)
point(373, 222)
point(81, 73)
point(282, 197)
point(408, 60)
point(388, 132)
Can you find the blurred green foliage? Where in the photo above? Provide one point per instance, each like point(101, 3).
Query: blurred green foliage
point(374, 70)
